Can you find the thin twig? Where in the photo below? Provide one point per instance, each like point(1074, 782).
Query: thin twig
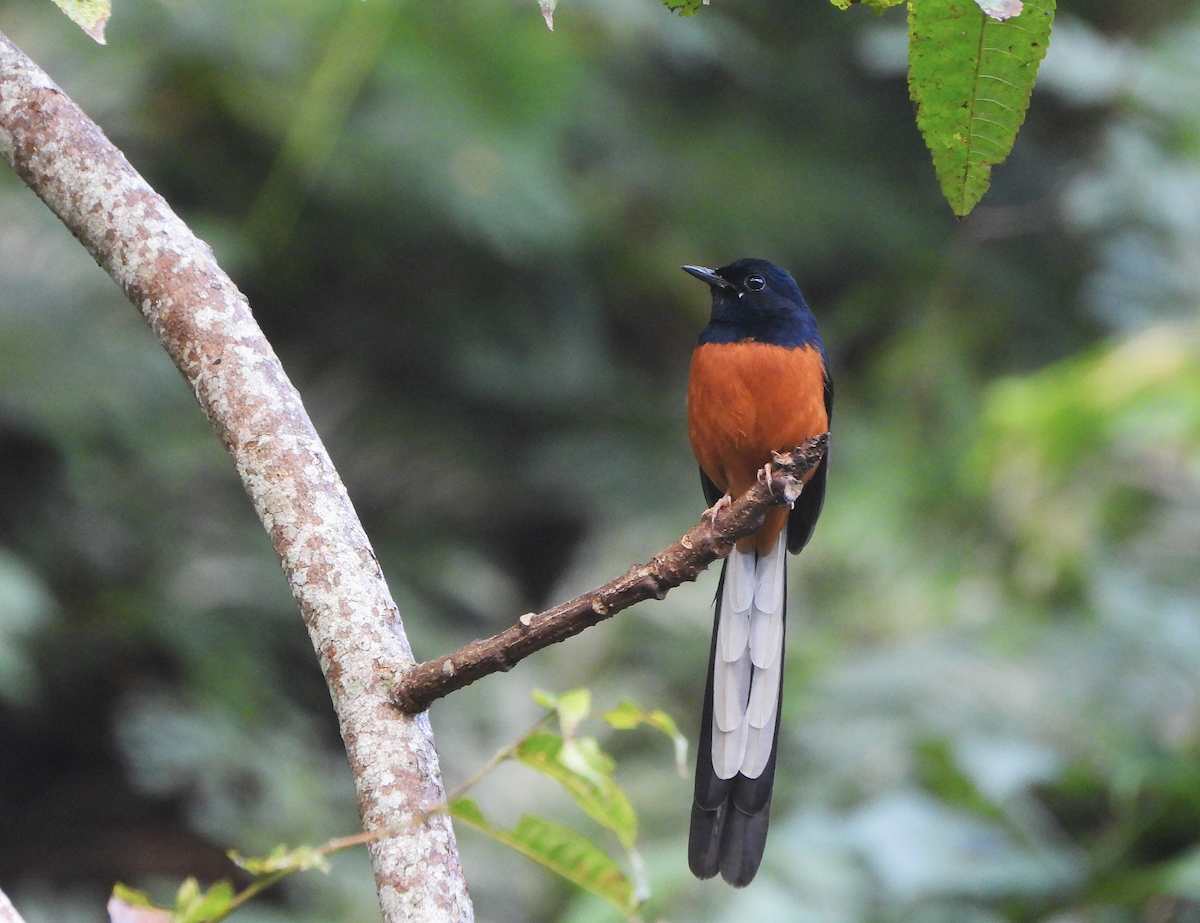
point(417, 688)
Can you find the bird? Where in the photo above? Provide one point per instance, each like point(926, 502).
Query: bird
point(759, 383)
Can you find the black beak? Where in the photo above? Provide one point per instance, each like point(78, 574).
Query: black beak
point(707, 275)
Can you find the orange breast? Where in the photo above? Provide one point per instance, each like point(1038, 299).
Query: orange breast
point(746, 400)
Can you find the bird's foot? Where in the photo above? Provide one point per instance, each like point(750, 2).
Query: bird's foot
point(715, 510)
point(764, 476)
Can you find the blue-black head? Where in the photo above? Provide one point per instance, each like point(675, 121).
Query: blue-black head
point(756, 300)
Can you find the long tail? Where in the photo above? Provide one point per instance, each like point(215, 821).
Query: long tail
point(739, 729)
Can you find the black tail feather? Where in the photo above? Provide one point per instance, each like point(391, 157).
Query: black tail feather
point(730, 817)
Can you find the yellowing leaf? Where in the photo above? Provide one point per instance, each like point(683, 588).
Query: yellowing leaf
point(129, 906)
point(629, 715)
point(282, 859)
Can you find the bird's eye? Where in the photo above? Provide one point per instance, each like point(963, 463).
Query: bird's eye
point(756, 283)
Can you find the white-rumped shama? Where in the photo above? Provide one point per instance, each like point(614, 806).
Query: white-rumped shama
point(759, 383)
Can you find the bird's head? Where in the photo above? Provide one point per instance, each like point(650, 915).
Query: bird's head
point(756, 300)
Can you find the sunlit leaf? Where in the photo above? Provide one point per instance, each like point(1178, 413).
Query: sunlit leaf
point(89, 15)
point(585, 771)
point(195, 905)
point(628, 715)
point(970, 77)
point(572, 707)
point(127, 905)
point(282, 859)
point(559, 849)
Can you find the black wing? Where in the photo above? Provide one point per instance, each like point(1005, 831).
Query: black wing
point(803, 517)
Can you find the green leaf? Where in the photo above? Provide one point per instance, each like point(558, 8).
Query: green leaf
point(127, 905)
point(90, 15)
point(684, 7)
point(585, 771)
point(629, 715)
point(559, 849)
point(939, 773)
point(970, 77)
point(194, 905)
point(879, 6)
point(572, 707)
point(281, 859)
point(133, 897)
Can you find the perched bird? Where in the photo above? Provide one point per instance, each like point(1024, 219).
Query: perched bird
point(759, 383)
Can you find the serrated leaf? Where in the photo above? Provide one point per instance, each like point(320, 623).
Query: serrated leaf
point(559, 849)
point(572, 707)
point(585, 772)
point(684, 7)
point(90, 15)
point(195, 905)
point(628, 715)
point(970, 77)
point(282, 859)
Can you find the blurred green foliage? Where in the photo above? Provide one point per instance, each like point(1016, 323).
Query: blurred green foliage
point(462, 234)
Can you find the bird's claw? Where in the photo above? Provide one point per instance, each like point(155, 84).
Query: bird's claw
point(764, 476)
point(723, 504)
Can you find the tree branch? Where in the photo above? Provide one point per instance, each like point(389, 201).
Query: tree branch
point(205, 325)
point(712, 538)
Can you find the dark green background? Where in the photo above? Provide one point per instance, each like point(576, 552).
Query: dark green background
point(462, 234)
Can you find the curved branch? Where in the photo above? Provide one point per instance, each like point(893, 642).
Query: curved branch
point(712, 538)
point(205, 325)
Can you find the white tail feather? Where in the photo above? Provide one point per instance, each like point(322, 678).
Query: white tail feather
point(739, 581)
point(731, 692)
point(764, 694)
point(749, 666)
point(768, 576)
point(757, 751)
point(766, 618)
point(733, 635)
point(729, 750)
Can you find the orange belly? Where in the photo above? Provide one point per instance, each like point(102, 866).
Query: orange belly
point(745, 401)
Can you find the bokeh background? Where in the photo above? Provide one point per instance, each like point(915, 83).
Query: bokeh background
point(462, 234)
